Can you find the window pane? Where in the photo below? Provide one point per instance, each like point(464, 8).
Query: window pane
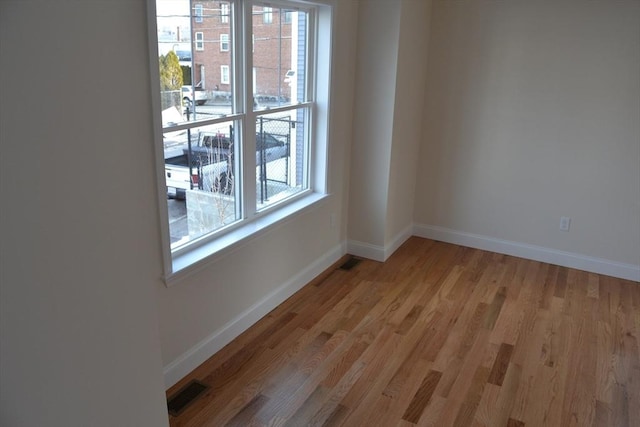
point(175, 50)
point(224, 13)
point(267, 15)
point(281, 155)
point(203, 77)
point(224, 74)
point(279, 57)
point(199, 43)
point(214, 57)
point(224, 42)
point(201, 181)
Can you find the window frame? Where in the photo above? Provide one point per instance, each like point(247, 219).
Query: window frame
point(198, 41)
point(267, 15)
point(225, 71)
point(225, 11)
point(184, 261)
point(286, 16)
point(224, 41)
point(198, 13)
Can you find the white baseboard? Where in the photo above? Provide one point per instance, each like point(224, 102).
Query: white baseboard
point(536, 253)
point(366, 250)
point(376, 252)
point(195, 356)
point(400, 238)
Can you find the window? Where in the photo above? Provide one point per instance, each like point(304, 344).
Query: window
point(224, 13)
point(286, 16)
point(198, 12)
point(199, 40)
point(252, 157)
point(224, 74)
point(267, 16)
point(224, 42)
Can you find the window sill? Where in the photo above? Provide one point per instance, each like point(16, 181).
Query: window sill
point(192, 261)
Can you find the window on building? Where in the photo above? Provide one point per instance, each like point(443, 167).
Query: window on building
point(199, 38)
point(224, 42)
point(224, 74)
point(252, 156)
point(267, 15)
point(286, 16)
point(224, 13)
point(198, 12)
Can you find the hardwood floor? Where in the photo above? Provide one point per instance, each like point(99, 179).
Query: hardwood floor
point(438, 335)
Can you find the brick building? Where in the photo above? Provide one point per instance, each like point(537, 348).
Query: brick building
point(212, 40)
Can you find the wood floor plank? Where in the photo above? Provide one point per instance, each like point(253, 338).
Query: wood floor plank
point(507, 396)
point(499, 369)
point(405, 385)
point(422, 397)
point(486, 406)
point(470, 378)
point(439, 335)
point(332, 411)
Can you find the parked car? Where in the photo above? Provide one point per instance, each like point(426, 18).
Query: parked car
point(199, 94)
point(268, 147)
point(288, 77)
point(211, 162)
point(203, 174)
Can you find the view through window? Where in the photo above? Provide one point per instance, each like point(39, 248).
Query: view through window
point(236, 106)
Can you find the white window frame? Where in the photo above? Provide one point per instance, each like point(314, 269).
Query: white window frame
point(199, 40)
point(181, 263)
point(267, 15)
point(224, 13)
point(225, 78)
point(286, 16)
point(224, 42)
point(198, 12)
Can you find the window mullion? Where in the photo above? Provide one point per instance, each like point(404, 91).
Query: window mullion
point(245, 75)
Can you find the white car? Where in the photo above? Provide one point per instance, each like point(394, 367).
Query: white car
point(288, 77)
point(188, 95)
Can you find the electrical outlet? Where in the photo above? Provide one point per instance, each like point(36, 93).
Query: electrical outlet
point(565, 222)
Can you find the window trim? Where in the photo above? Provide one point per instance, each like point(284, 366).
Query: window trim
point(198, 12)
point(224, 40)
point(225, 10)
point(199, 41)
point(224, 69)
point(286, 16)
point(185, 261)
point(267, 15)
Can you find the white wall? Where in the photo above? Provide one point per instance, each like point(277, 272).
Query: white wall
point(377, 54)
point(533, 113)
point(407, 116)
point(79, 228)
point(391, 68)
point(203, 312)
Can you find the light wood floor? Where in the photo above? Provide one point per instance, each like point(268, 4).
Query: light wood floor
point(438, 335)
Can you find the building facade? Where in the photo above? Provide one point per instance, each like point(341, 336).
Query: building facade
point(212, 41)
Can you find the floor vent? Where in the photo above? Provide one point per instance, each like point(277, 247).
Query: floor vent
point(350, 263)
point(185, 397)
